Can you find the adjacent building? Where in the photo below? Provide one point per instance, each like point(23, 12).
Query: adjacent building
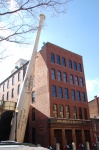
point(59, 111)
point(94, 117)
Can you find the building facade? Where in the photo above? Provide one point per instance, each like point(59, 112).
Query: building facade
point(59, 110)
point(94, 116)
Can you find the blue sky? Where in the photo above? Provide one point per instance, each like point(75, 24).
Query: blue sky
point(77, 30)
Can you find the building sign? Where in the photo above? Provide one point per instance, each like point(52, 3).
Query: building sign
point(52, 120)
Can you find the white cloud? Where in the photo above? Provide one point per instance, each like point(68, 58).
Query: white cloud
point(92, 88)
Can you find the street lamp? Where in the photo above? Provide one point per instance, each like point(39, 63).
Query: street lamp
point(16, 114)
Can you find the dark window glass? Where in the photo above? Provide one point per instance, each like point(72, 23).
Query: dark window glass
point(18, 89)
point(79, 67)
point(33, 97)
point(81, 82)
point(19, 76)
point(67, 112)
point(53, 73)
point(12, 93)
point(58, 59)
point(65, 76)
point(13, 80)
point(74, 112)
point(71, 79)
point(61, 111)
point(54, 94)
point(60, 92)
point(85, 113)
point(63, 62)
point(7, 95)
point(66, 93)
point(59, 75)
point(55, 111)
point(52, 58)
point(80, 113)
point(76, 80)
point(70, 64)
point(33, 114)
point(73, 94)
point(8, 84)
point(78, 95)
point(75, 65)
point(3, 87)
point(83, 97)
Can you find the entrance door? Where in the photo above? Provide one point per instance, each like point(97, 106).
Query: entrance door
point(58, 136)
point(78, 137)
point(68, 134)
point(87, 135)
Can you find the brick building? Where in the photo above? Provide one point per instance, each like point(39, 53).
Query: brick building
point(59, 107)
point(94, 116)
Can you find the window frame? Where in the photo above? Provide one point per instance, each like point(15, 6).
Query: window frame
point(73, 95)
point(52, 57)
point(70, 64)
point(60, 92)
point(53, 73)
point(66, 95)
point(63, 62)
point(59, 75)
point(58, 60)
point(54, 91)
point(75, 65)
point(71, 79)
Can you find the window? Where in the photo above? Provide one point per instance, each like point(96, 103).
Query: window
point(74, 112)
point(58, 59)
point(81, 82)
point(83, 97)
point(66, 93)
point(7, 95)
point(76, 80)
point(70, 64)
point(19, 76)
point(3, 86)
point(67, 112)
point(55, 111)
point(59, 75)
point(65, 77)
point(54, 94)
point(52, 58)
point(63, 62)
point(53, 74)
point(71, 79)
point(80, 113)
point(33, 114)
point(8, 84)
point(13, 80)
point(33, 97)
point(78, 95)
point(61, 111)
point(75, 65)
point(79, 67)
point(73, 94)
point(12, 94)
point(18, 91)
point(2, 97)
point(60, 92)
point(85, 113)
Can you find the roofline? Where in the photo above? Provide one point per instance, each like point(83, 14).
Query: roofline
point(14, 72)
